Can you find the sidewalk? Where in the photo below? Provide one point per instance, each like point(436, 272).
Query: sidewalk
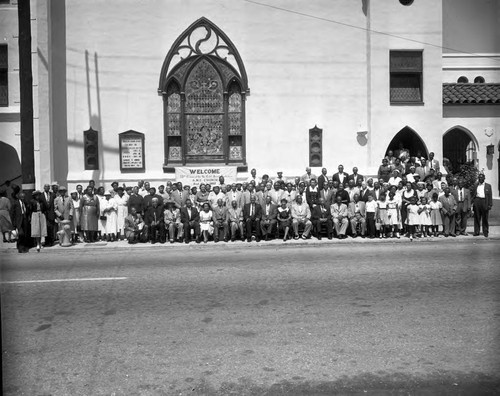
point(124, 245)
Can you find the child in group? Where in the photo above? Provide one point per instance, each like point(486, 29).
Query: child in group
point(393, 214)
point(371, 210)
point(436, 218)
point(424, 210)
point(413, 219)
point(382, 217)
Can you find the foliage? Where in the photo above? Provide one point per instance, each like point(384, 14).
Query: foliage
point(468, 173)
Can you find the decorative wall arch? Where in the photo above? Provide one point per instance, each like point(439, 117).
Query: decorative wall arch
point(204, 86)
point(194, 42)
point(410, 140)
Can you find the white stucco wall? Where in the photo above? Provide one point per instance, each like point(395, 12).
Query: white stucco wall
point(408, 28)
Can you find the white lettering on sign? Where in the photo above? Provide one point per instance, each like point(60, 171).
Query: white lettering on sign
point(194, 176)
point(131, 154)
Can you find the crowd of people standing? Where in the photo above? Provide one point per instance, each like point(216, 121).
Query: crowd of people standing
point(409, 198)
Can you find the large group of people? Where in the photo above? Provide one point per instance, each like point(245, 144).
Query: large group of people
point(409, 197)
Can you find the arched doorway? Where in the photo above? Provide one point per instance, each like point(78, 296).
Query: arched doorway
point(409, 140)
point(459, 147)
point(10, 171)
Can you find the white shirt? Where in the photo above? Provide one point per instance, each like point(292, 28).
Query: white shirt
point(480, 191)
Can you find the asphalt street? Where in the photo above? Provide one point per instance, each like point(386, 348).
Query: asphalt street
point(357, 319)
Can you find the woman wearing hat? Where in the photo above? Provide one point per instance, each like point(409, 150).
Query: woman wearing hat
point(38, 220)
point(89, 214)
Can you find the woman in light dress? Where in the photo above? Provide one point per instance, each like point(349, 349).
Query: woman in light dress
point(89, 215)
point(413, 218)
point(436, 218)
point(111, 222)
point(393, 214)
point(38, 220)
point(206, 223)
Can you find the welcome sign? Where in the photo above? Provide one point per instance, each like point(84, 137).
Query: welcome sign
point(195, 175)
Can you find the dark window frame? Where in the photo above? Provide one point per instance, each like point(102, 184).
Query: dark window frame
point(411, 70)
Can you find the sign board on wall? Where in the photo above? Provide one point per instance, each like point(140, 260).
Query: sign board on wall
point(132, 152)
point(195, 175)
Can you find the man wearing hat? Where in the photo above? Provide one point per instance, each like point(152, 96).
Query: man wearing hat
point(48, 198)
point(62, 207)
point(172, 220)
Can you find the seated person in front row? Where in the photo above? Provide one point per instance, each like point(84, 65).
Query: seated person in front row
point(235, 220)
point(339, 215)
point(219, 218)
point(134, 227)
point(357, 215)
point(301, 214)
point(252, 213)
point(320, 216)
point(268, 220)
point(154, 221)
point(173, 224)
point(190, 218)
point(284, 219)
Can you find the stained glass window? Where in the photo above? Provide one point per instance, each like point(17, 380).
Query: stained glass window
point(204, 84)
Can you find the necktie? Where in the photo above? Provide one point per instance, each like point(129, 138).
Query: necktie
point(23, 209)
point(251, 211)
point(460, 199)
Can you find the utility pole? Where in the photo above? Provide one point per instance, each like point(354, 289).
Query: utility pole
point(26, 96)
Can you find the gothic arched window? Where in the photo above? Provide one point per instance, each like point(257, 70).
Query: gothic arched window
point(204, 85)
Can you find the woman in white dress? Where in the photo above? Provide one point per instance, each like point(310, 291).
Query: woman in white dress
point(122, 211)
point(110, 211)
point(206, 223)
point(101, 222)
point(393, 215)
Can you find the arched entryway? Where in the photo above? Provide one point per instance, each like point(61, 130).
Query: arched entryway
point(10, 171)
point(409, 140)
point(459, 147)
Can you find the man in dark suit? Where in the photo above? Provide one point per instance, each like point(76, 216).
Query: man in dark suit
point(190, 217)
point(358, 179)
point(321, 215)
point(341, 177)
point(20, 220)
point(462, 196)
point(482, 201)
point(343, 194)
point(268, 221)
point(48, 198)
point(322, 179)
point(252, 213)
point(153, 218)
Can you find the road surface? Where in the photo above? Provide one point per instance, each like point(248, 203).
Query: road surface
point(375, 319)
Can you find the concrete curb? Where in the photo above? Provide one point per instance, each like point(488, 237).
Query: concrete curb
point(123, 245)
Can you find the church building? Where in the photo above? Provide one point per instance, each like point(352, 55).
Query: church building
point(153, 90)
